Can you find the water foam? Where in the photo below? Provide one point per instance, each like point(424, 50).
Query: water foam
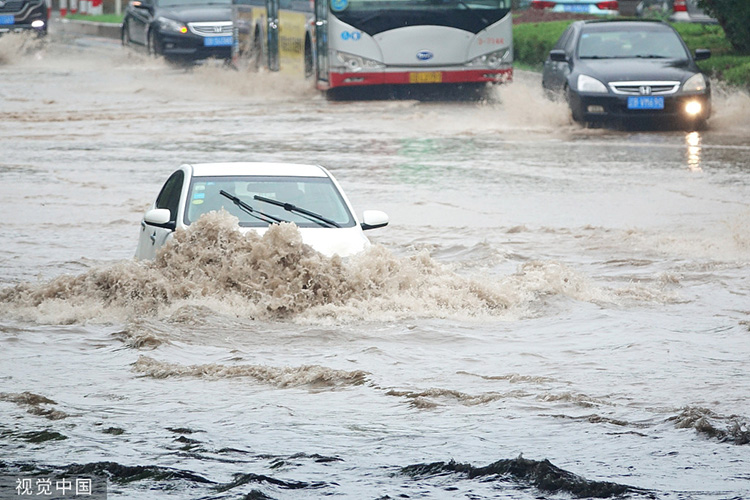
point(731, 109)
point(277, 277)
point(307, 375)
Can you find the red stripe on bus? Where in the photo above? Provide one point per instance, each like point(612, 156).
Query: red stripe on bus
point(403, 77)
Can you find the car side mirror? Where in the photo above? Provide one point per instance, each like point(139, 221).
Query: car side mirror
point(702, 54)
point(558, 55)
point(158, 217)
point(373, 219)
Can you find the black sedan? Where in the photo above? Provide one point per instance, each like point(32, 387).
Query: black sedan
point(180, 30)
point(632, 71)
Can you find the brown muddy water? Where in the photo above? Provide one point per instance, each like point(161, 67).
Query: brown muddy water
point(553, 312)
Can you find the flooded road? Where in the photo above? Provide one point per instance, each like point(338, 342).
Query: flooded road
point(553, 312)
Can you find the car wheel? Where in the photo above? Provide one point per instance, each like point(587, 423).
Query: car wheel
point(153, 45)
point(124, 35)
point(576, 113)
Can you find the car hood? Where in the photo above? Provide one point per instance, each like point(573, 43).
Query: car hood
point(619, 70)
point(197, 13)
point(343, 242)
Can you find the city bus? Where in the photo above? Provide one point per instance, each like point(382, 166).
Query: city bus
point(355, 43)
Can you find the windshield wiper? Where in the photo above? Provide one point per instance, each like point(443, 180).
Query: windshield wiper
point(311, 216)
point(650, 56)
point(269, 219)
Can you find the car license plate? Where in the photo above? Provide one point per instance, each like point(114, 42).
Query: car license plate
point(575, 8)
point(7, 20)
point(646, 102)
point(426, 77)
point(217, 41)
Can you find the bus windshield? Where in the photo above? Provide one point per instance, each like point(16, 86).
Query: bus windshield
point(377, 16)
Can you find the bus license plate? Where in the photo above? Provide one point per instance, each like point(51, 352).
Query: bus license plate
point(7, 20)
point(646, 102)
point(426, 77)
point(217, 41)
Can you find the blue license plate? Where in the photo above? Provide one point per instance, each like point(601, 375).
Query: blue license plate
point(217, 41)
point(646, 102)
point(575, 8)
point(7, 20)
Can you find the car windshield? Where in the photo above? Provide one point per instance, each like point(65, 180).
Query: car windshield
point(646, 44)
point(313, 194)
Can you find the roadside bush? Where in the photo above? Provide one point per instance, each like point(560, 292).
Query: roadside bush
point(533, 41)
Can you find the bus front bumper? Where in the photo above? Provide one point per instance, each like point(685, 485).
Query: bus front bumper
point(343, 79)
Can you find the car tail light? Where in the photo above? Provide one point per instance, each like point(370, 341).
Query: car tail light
point(610, 5)
point(542, 4)
point(680, 6)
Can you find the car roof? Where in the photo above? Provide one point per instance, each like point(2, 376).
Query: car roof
point(257, 168)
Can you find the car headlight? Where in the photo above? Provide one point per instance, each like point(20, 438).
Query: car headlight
point(589, 84)
point(492, 60)
point(696, 83)
point(166, 24)
point(355, 64)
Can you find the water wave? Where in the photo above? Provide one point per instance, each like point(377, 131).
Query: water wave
point(34, 404)
point(733, 429)
point(315, 376)
point(542, 475)
point(277, 277)
point(429, 398)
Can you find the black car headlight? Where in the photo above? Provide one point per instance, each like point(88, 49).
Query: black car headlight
point(170, 25)
point(589, 84)
point(696, 83)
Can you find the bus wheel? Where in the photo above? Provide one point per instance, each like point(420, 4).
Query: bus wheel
point(308, 58)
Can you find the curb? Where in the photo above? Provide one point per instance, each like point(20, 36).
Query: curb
point(80, 27)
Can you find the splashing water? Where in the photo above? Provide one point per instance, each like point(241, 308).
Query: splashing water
point(276, 276)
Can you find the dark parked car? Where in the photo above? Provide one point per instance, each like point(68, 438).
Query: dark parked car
point(180, 29)
point(23, 15)
point(628, 70)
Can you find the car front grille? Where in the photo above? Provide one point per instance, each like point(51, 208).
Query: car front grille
point(218, 28)
point(644, 88)
point(11, 6)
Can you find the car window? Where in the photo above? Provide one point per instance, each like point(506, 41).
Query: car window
point(630, 43)
point(169, 197)
point(315, 194)
point(562, 42)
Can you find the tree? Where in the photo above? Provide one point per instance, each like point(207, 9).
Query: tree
point(734, 17)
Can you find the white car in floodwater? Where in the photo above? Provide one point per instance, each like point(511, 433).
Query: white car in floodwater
point(259, 194)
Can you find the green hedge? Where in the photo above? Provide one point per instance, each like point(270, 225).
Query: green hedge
point(533, 41)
